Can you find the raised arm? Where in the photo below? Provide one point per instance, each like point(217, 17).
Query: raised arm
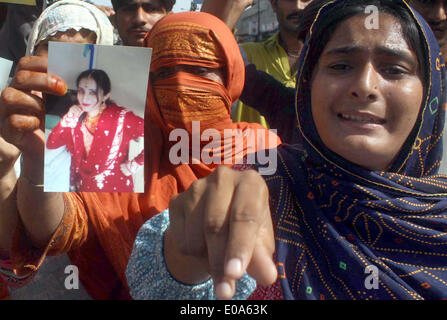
point(22, 115)
point(8, 180)
point(268, 96)
point(229, 11)
point(221, 228)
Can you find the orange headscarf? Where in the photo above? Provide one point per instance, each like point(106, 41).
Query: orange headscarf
point(197, 40)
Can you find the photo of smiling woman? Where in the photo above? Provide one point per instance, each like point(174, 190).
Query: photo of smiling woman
point(97, 133)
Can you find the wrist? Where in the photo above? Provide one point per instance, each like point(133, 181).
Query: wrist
point(6, 171)
point(32, 170)
point(7, 184)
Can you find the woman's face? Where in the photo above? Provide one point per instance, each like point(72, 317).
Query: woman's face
point(90, 97)
point(366, 92)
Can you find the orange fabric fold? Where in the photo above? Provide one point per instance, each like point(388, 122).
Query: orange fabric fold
point(194, 39)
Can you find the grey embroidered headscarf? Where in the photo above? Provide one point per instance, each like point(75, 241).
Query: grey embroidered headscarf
point(70, 14)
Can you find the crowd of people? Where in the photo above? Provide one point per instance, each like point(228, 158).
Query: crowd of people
point(359, 115)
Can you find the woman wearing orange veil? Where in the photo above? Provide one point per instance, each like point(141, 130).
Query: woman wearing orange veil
point(197, 73)
point(188, 57)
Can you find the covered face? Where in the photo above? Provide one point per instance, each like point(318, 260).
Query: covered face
point(70, 21)
point(196, 72)
point(369, 89)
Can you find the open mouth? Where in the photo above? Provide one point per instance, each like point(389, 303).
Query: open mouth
point(367, 119)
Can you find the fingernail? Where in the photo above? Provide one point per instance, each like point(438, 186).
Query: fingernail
point(223, 290)
point(59, 86)
point(234, 267)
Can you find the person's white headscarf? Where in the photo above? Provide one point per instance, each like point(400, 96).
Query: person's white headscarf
point(70, 14)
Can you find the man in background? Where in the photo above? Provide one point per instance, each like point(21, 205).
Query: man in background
point(435, 13)
point(278, 55)
point(135, 18)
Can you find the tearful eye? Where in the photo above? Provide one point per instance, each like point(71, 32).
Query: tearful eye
point(394, 71)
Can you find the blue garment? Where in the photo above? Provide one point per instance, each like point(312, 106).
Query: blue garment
point(149, 279)
point(338, 223)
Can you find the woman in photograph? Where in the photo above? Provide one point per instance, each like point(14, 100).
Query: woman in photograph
point(97, 133)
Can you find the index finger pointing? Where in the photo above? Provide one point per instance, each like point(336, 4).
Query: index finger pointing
point(250, 229)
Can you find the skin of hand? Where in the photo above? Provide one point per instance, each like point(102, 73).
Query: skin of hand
point(8, 181)
point(124, 169)
point(76, 110)
point(221, 227)
point(229, 11)
point(22, 111)
point(71, 118)
point(22, 114)
point(8, 156)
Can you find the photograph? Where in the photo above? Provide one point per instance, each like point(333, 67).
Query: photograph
point(5, 68)
point(95, 133)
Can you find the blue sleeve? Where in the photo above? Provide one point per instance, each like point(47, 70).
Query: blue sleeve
point(148, 277)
